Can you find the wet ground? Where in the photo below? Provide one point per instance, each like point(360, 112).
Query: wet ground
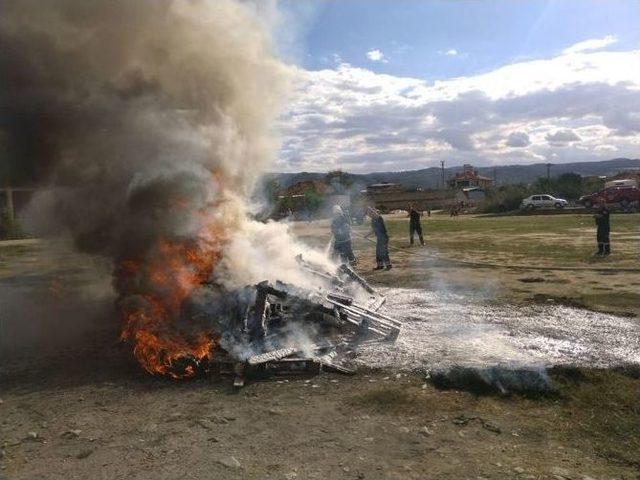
point(442, 329)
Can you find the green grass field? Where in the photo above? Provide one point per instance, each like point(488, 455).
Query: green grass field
point(553, 240)
point(524, 258)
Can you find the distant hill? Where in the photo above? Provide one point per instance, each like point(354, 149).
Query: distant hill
point(506, 174)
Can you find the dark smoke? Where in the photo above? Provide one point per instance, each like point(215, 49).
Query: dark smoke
point(150, 121)
point(130, 105)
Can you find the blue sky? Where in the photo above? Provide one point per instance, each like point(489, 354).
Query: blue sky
point(443, 40)
point(486, 34)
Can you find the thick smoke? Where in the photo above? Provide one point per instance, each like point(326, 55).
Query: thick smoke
point(152, 121)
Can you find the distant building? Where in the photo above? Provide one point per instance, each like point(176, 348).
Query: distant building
point(387, 197)
point(310, 197)
point(470, 197)
point(300, 199)
point(469, 177)
point(307, 186)
point(385, 188)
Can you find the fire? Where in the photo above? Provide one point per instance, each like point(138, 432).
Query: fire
point(153, 293)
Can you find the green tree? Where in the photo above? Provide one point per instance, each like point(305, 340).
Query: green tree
point(505, 198)
point(313, 201)
point(286, 202)
point(569, 186)
point(272, 190)
point(543, 185)
point(592, 185)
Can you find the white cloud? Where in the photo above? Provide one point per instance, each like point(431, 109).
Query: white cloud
point(376, 55)
point(359, 120)
point(590, 45)
point(606, 148)
point(452, 52)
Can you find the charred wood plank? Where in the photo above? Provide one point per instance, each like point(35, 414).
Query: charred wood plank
point(272, 355)
point(349, 272)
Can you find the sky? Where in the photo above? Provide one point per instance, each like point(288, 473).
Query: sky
point(403, 84)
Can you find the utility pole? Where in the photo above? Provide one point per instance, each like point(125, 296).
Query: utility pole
point(548, 171)
point(495, 176)
point(442, 166)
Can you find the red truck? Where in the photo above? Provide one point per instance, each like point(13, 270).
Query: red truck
point(623, 195)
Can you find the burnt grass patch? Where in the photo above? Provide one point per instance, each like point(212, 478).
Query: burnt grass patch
point(531, 280)
point(533, 382)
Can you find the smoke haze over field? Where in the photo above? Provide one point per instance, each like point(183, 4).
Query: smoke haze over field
point(153, 121)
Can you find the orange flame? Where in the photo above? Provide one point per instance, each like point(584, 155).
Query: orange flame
point(161, 284)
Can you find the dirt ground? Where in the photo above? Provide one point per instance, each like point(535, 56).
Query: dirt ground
point(85, 420)
point(77, 406)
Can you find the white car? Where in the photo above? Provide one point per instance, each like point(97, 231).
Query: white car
point(543, 201)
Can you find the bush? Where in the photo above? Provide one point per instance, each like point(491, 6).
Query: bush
point(505, 198)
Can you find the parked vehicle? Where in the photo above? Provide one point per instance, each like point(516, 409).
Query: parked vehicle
point(543, 201)
point(622, 182)
point(623, 195)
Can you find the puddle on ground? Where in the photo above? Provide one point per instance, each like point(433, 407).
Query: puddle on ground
point(443, 329)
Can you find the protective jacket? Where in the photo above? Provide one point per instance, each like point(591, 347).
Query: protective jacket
point(341, 228)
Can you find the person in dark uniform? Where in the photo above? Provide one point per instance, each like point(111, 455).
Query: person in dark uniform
point(382, 239)
point(414, 224)
point(341, 230)
point(603, 230)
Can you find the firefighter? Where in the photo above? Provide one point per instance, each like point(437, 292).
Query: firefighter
point(414, 224)
point(382, 239)
point(603, 230)
point(341, 231)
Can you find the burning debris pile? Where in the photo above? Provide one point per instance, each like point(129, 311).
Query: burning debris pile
point(273, 326)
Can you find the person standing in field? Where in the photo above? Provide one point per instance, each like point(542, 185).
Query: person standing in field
point(603, 229)
point(414, 224)
point(382, 239)
point(341, 231)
